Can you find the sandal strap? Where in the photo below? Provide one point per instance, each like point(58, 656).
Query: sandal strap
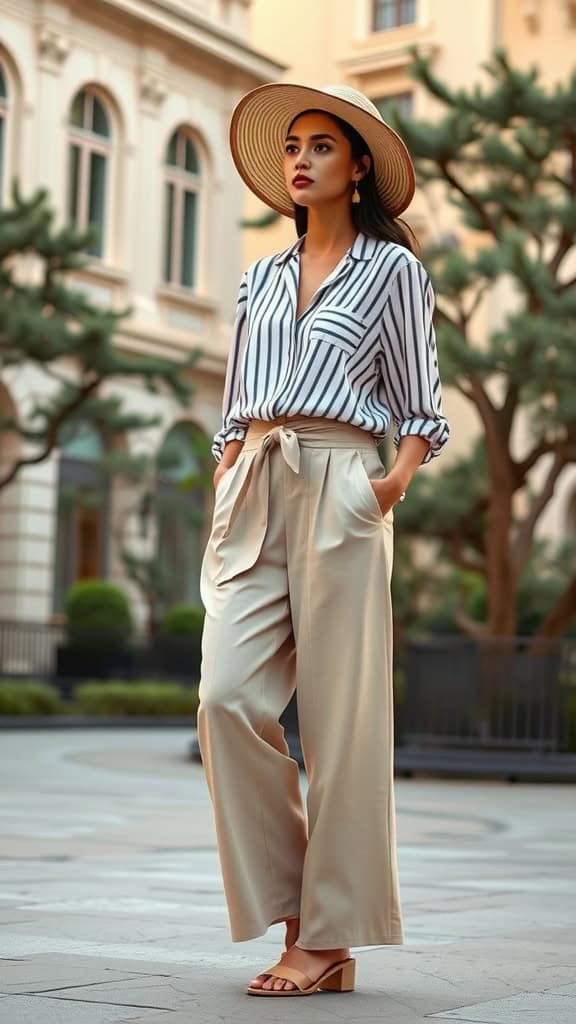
point(300, 979)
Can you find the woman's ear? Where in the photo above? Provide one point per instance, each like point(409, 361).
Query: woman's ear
point(363, 165)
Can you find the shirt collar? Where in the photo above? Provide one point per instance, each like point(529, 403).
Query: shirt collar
point(363, 248)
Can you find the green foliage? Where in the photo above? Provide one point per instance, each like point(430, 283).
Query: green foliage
point(503, 153)
point(135, 698)
point(264, 220)
point(21, 697)
point(50, 322)
point(97, 612)
point(446, 594)
point(184, 620)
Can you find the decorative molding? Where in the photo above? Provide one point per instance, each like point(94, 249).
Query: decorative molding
point(53, 48)
point(384, 58)
point(531, 12)
point(153, 90)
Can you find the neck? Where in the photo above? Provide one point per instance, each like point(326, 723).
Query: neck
point(329, 230)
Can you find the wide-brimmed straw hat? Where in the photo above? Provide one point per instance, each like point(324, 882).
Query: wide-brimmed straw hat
point(260, 124)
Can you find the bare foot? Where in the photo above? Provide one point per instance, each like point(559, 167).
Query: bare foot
point(292, 930)
point(312, 962)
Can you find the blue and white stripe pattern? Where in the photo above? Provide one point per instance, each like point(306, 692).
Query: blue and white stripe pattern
point(363, 352)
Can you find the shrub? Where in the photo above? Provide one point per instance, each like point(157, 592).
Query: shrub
point(28, 698)
point(135, 698)
point(184, 620)
point(98, 613)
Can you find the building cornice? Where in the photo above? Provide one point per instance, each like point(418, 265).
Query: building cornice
point(174, 18)
point(386, 56)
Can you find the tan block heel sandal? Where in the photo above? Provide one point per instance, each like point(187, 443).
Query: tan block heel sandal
point(339, 977)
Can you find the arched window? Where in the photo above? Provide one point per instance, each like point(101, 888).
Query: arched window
point(4, 98)
point(183, 183)
point(90, 150)
point(83, 509)
point(180, 503)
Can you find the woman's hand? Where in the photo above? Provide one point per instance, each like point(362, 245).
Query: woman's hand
point(219, 472)
point(231, 452)
point(388, 491)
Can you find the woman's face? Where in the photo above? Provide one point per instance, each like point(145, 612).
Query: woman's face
point(318, 163)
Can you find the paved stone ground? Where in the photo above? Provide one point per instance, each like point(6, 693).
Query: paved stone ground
point(112, 907)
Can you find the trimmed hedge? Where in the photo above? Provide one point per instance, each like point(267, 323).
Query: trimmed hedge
point(183, 620)
point(98, 612)
point(28, 698)
point(138, 698)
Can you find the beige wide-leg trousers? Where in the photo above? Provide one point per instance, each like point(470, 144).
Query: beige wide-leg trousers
point(296, 585)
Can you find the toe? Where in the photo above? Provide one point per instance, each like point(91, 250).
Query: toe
point(278, 983)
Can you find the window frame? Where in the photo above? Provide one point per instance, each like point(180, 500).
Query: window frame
point(182, 181)
point(398, 22)
point(404, 94)
point(89, 142)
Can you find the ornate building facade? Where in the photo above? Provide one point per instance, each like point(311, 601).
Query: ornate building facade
point(120, 109)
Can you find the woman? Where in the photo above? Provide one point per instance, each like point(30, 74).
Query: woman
point(333, 339)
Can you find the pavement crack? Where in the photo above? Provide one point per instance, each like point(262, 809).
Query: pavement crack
point(66, 988)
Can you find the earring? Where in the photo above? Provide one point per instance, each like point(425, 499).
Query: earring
point(356, 195)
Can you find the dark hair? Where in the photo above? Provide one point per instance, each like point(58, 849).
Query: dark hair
point(370, 216)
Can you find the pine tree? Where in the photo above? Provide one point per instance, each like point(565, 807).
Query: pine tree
point(48, 323)
point(504, 153)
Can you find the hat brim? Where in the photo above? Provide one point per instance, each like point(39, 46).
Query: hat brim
point(258, 130)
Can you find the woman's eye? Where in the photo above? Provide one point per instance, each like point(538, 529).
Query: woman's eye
point(322, 145)
point(290, 148)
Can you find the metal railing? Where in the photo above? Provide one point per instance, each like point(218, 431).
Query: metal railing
point(456, 693)
point(28, 649)
point(497, 693)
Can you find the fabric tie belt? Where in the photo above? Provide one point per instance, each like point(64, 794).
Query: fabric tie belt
point(289, 435)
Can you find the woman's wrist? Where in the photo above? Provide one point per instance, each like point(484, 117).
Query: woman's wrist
point(231, 452)
point(401, 479)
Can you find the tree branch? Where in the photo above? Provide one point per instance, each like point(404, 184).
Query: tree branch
point(472, 201)
point(561, 615)
point(523, 542)
point(461, 560)
point(52, 435)
point(522, 468)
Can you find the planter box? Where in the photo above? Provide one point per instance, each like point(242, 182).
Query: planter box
point(73, 663)
point(177, 656)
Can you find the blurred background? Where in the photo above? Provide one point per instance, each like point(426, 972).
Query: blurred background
point(124, 230)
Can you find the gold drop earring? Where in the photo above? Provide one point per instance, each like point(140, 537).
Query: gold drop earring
point(356, 195)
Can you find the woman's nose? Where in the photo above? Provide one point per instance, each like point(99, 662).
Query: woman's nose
point(302, 161)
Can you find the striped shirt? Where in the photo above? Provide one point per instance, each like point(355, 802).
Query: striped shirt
point(363, 352)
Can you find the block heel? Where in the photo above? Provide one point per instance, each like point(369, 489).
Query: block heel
point(343, 980)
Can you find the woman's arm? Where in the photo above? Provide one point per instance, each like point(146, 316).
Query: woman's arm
point(234, 425)
point(411, 379)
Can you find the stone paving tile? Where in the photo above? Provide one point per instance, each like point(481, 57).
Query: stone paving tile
point(554, 1006)
point(40, 1010)
point(31, 975)
point(111, 895)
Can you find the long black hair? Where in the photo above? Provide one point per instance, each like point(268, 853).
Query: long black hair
point(370, 215)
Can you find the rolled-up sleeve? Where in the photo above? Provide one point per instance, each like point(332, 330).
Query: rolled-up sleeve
point(410, 360)
point(234, 425)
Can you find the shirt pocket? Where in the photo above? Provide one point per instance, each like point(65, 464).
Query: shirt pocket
point(338, 327)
